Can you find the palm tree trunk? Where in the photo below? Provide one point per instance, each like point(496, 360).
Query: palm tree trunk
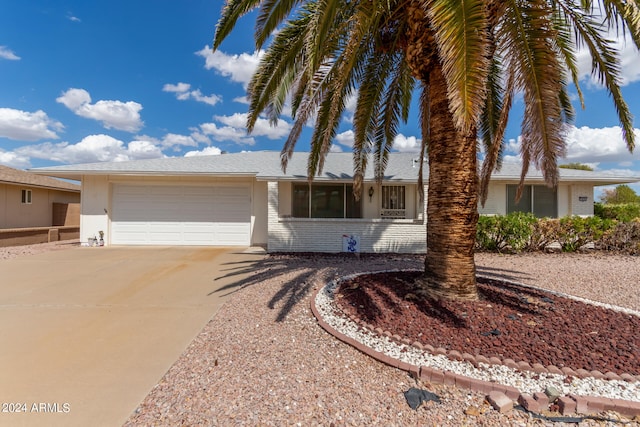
point(452, 205)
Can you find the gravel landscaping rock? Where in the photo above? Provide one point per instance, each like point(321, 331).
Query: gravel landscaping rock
point(264, 360)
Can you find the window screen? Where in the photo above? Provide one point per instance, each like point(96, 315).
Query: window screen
point(325, 201)
point(540, 200)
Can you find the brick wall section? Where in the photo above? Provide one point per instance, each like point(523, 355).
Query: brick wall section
point(326, 235)
point(35, 235)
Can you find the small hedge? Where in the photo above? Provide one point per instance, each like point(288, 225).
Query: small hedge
point(624, 212)
point(519, 232)
point(622, 237)
point(504, 233)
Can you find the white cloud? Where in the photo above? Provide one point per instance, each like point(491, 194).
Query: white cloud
point(183, 92)
point(6, 53)
point(93, 148)
point(589, 145)
point(262, 126)
point(344, 139)
point(113, 114)
point(24, 126)
point(14, 160)
point(629, 61)
point(207, 151)
point(408, 144)
point(226, 133)
point(241, 100)
point(239, 68)
point(175, 140)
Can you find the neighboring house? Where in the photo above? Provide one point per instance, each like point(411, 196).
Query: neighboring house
point(28, 200)
point(244, 199)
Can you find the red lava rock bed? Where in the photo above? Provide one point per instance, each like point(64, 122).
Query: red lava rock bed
point(509, 321)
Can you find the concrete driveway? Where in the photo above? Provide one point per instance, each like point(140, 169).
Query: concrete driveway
point(86, 333)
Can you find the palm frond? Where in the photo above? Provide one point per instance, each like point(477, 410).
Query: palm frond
point(460, 28)
point(605, 65)
point(566, 45)
point(499, 104)
point(527, 32)
point(278, 68)
point(231, 12)
point(623, 15)
point(425, 126)
point(272, 14)
point(394, 109)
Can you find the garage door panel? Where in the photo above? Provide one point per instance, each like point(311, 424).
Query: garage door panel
point(181, 215)
point(231, 234)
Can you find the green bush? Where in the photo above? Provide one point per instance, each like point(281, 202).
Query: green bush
point(504, 232)
point(576, 232)
point(545, 232)
point(523, 232)
point(486, 233)
point(622, 212)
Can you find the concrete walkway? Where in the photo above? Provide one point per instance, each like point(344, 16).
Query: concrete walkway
point(86, 333)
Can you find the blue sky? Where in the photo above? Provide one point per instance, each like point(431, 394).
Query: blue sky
point(87, 81)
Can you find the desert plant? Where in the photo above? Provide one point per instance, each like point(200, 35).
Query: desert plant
point(576, 232)
point(621, 194)
point(622, 237)
point(578, 166)
point(510, 232)
point(486, 233)
point(543, 233)
point(624, 212)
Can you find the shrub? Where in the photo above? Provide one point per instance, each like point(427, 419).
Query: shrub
point(623, 237)
point(543, 234)
point(576, 232)
point(504, 232)
point(622, 212)
point(486, 233)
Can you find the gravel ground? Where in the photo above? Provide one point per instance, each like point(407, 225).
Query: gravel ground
point(16, 251)
point(263, 360)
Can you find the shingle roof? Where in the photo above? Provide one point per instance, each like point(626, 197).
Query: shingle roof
point(265, 165)
point(19, 177)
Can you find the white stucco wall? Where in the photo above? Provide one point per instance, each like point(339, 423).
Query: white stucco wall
point(326, 235)
point(496, 203)
point(94, 207)
point(259, 214)
point(568, 199)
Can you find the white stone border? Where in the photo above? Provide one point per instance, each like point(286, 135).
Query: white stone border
point(525, 381)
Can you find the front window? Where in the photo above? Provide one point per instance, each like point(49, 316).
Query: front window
point(393, 201)
point(540, 200)
point(26, 197)
point(325, 201)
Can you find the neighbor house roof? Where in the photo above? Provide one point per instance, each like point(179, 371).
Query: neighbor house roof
point(19, 177)
point(265, 165)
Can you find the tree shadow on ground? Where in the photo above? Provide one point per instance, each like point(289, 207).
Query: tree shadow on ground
point(296, 279)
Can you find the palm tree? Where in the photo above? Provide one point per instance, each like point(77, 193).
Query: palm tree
point(466, 60)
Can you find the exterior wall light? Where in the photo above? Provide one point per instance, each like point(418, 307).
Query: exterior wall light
point(370, 193)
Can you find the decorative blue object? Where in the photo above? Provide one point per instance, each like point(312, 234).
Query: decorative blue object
point(350, 243)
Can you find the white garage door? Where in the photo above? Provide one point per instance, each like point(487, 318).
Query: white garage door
point(180, 215)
